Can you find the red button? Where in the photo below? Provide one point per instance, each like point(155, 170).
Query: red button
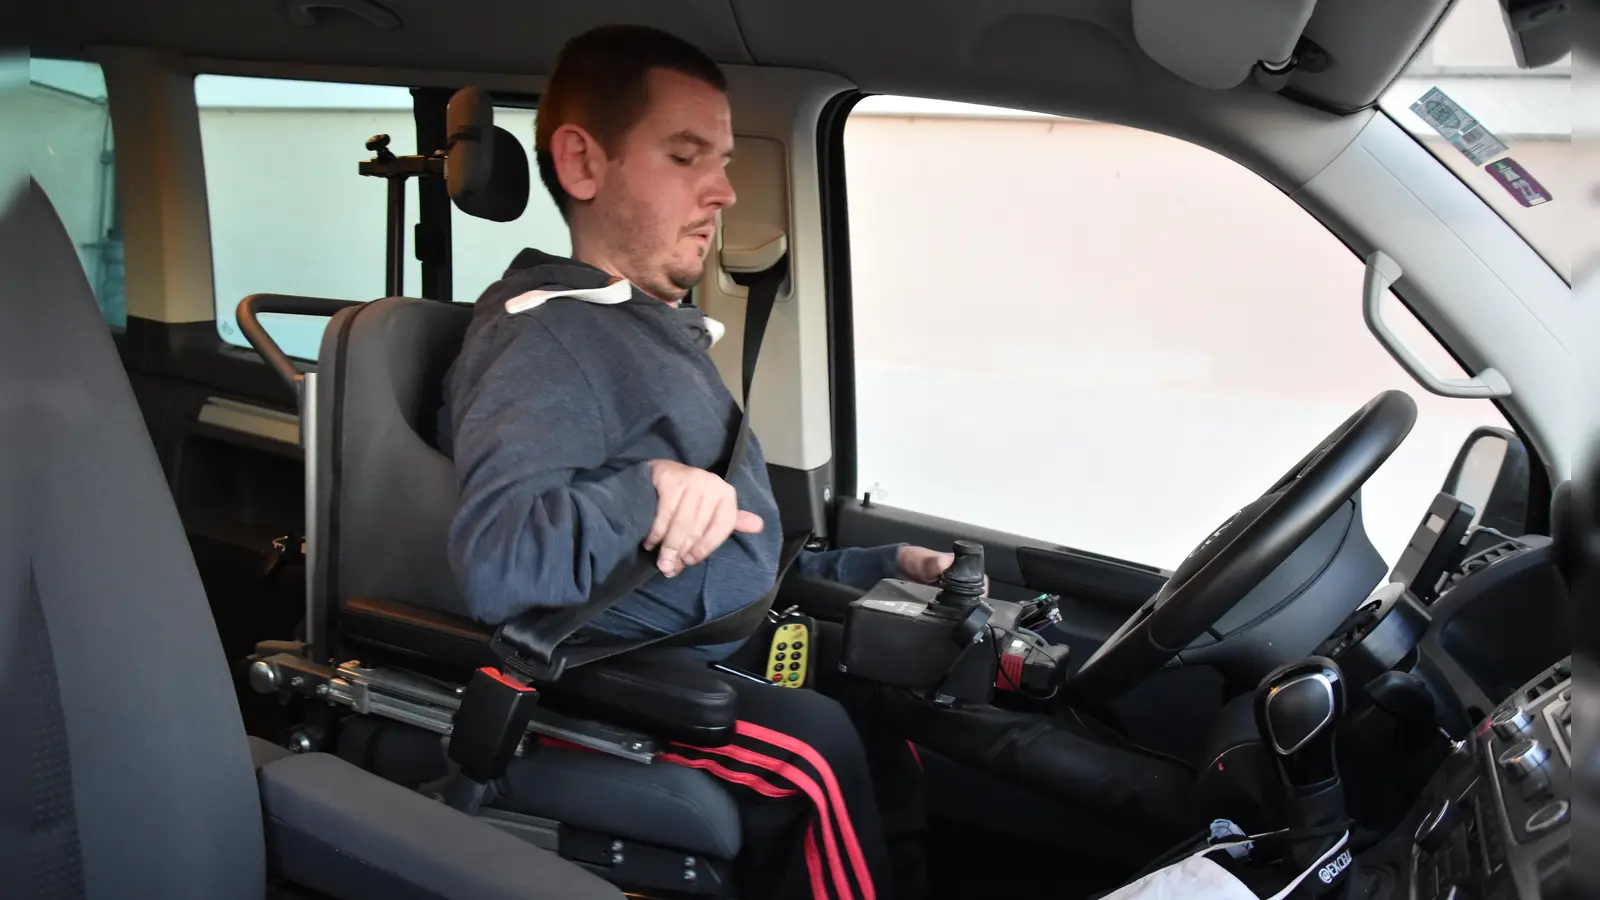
point(778, 677)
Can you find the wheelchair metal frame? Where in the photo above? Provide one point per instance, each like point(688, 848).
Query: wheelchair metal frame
point(426, 703)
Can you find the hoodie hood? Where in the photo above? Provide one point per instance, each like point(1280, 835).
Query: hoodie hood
point(548, 277)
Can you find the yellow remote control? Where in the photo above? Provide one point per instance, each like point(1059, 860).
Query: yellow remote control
point(789, 657)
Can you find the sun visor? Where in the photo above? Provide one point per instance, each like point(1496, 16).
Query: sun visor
point(1215, 43)
point(747, 248)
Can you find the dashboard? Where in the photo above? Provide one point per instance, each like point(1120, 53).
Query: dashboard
point(1479, 661)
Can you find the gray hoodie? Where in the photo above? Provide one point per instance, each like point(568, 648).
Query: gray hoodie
point(552, 412)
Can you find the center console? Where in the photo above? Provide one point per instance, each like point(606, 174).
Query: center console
point(1494, 821)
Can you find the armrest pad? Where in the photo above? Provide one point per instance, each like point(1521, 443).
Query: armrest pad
point(340, 830)
point(417, 632)
point(664, 692)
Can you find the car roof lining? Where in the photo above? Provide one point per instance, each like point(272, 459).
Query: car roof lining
point(1078, 58)
point(916, 47)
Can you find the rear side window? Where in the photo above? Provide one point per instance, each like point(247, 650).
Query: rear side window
point(68, 139)
point(289, 213)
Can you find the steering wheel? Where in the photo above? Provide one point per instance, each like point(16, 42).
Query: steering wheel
point(1216, 575)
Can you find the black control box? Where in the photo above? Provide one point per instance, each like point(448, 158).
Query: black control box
point(943, 641)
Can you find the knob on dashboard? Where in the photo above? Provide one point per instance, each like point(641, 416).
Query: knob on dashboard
point(1511, 724)
point(1523, 759)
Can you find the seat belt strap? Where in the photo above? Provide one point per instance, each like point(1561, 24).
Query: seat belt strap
point(527, 643)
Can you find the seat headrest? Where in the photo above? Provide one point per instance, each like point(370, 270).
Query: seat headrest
point(486, 169)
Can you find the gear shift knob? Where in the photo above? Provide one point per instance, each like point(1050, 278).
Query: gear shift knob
point(1298, 710)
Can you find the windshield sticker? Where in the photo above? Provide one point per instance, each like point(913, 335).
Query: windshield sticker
point(1514, 178)
point(1455, 125)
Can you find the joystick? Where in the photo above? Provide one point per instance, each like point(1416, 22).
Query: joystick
point(961, 585)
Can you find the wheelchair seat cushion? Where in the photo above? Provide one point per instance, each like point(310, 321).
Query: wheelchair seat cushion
point(663, 692)
point(659, 803)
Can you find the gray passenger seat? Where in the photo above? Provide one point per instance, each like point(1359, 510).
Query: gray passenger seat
point(142, 780)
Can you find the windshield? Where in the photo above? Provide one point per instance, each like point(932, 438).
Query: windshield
point(1506, 131)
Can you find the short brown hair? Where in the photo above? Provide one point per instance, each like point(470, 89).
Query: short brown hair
point(601, 83)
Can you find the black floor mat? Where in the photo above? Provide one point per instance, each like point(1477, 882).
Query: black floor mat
point(966, 862)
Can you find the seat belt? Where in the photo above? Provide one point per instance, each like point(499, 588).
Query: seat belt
point(527, 644)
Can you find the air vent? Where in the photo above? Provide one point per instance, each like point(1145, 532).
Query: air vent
point(1544, 686)
point(1477, 562)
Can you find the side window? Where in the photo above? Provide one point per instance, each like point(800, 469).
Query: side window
point(480, 250)
point(73, 157)
point(1104, 337)
point(289, 213)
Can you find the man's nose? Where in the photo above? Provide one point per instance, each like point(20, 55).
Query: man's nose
point(721, 194)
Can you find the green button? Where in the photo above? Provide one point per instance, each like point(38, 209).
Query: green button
point(794, 676)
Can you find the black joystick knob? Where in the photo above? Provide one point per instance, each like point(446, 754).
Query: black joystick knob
point(962, 583)
point(1298, 709)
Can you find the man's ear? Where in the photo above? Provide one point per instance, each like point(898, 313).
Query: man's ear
point(579, 161)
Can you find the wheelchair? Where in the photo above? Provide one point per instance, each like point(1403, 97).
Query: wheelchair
point(389, 651)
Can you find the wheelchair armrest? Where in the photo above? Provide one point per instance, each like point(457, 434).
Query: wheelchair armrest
point(416, 632)
point(661, 691)
point(665, 692)
point(342, 831)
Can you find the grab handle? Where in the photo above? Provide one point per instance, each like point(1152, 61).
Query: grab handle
point(1383, 271)
point(249, 315)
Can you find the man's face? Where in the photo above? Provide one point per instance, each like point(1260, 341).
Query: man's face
point(657, 197)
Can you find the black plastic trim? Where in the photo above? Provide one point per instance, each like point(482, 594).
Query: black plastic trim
point(431, 243)
point(328, 460)
point(192, 352)
point(836, 266)
point(1088, 576)
point(800, 495)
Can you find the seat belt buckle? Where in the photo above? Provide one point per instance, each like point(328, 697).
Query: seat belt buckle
point(490, 723)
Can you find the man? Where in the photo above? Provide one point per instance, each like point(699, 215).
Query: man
point(583, 414)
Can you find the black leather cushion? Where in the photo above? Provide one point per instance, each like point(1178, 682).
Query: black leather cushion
point(405, 631)
point(504, 196)
point(664, 692)
point(379, 390)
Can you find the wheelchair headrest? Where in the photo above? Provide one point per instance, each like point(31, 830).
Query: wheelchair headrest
point(486, 169)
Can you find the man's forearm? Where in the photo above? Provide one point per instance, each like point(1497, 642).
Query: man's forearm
point(518, 548)
point(860, 567)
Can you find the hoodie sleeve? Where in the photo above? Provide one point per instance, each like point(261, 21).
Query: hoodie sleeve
point(859, 567)
point(542, 516)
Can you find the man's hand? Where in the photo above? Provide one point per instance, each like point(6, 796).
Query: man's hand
point(695, 513)
point(924, 566)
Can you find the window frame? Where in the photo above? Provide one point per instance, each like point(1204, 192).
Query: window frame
point(115, 177)
point(1477, 196)
point(839, 285)
point(427, 131)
